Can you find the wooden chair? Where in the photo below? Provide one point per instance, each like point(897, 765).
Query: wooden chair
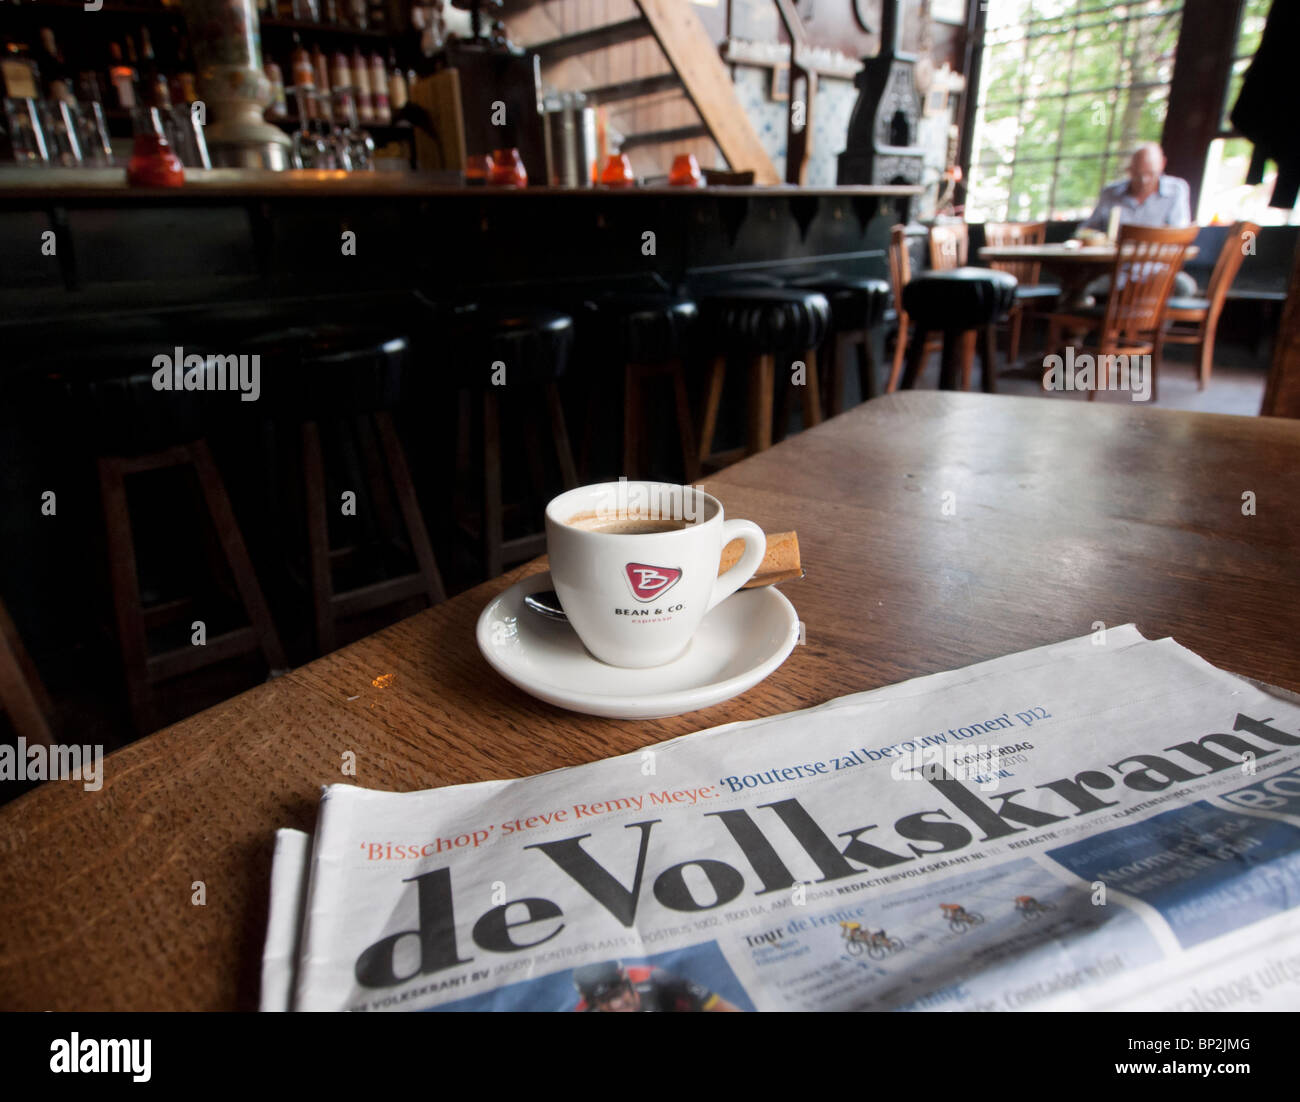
point(1196, 320)
point(22, 694)
point(1132, 323)
point(1027, 273)
point(900, 274)
point(949, 246)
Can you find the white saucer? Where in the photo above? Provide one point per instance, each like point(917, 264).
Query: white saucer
point(739, 643)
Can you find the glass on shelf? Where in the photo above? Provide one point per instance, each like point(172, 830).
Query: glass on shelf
point(26, 134)
point(63, 143)
point(478, 167)
point(92, 130)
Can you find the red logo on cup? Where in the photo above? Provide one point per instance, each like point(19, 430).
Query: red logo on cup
point(651, 582)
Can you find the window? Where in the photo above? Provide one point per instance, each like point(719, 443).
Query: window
point(1069, 88)
point(1225, 195)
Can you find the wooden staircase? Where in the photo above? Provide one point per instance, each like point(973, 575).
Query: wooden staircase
point(654, 68)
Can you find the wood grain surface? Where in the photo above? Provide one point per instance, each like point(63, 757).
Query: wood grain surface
point(1062, 515)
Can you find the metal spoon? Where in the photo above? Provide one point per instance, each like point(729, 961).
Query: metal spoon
point(545, 602)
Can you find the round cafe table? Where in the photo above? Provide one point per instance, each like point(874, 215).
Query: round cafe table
point(1072, 267)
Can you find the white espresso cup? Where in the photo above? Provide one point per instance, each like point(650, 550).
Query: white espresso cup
point(635, 565)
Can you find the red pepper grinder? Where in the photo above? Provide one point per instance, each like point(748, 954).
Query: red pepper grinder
point(153, 161)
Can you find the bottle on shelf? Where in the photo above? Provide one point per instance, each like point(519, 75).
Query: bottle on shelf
point(361, 81)
point(330, 12)
point(398, 93)
point(123, 78)
point(304, 78)
point(278, 108)
point(359, 16)
point(58, 77)
point(379, 90)
point(184, 88)
point(157, 93)
point(22, 75)
point(344, 89)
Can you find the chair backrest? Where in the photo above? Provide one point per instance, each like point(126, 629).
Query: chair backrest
point(900, 264)
point(949, 246)
point(1146, 261)
point(1027, 272)
point(1228, 264)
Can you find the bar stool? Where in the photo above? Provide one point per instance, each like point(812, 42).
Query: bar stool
point(522, 353)
point(760, 323)
point(22, 693)
point(961, 303)
point(650, 335)
point(134, 430)
point(858, 306)
point(350, 379)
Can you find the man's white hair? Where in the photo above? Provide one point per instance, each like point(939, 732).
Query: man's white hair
point(1152, 148)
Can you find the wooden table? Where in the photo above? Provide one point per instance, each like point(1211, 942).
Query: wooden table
point(1065, 515)
point(1074, 268)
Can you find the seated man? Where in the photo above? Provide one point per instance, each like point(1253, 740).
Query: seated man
point(1147, 198)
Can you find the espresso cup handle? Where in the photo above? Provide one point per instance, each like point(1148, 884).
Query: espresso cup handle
point(755, 548)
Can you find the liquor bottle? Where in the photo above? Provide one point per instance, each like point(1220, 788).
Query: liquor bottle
point(341, 79)
point(320, 63)
point(58, 78)
point(379, 90)
point(278, 108)
point(397, 90)
point(122, 77)
point(304, 73)
point(184, 88)
point(22, 76)
point(361, 80)
point(153, 81)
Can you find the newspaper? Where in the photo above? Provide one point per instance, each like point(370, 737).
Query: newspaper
point(1107, 823)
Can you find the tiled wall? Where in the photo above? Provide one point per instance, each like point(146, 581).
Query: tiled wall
point(830, 123)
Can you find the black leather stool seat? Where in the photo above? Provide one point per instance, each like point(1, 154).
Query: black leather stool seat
point(960, 299)
point(856, 302)
point(115, 408)
point(533, 343)
point(318, 370)
point(766, 319)
point(640, 328)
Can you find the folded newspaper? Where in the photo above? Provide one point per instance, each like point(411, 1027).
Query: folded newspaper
point(1105, 823)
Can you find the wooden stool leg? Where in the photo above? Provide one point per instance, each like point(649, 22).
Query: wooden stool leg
point(762, 385)
point(685, 425)
point(237, 558)
point(22, 695)
point(493, 522)
point(560, 435)
point(866, 368)
point(1207, 354)
point(950, 360)
point(632, 414)
point(127, 605)
point(318, 540)
point(712, 403)
point(989, 356)
point(900, 350)
point(968, 343)
point(1013, 338)
point(916, 353)
point(833, 399)
point(812, 408)
point(781, 403)
point(409, 504)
